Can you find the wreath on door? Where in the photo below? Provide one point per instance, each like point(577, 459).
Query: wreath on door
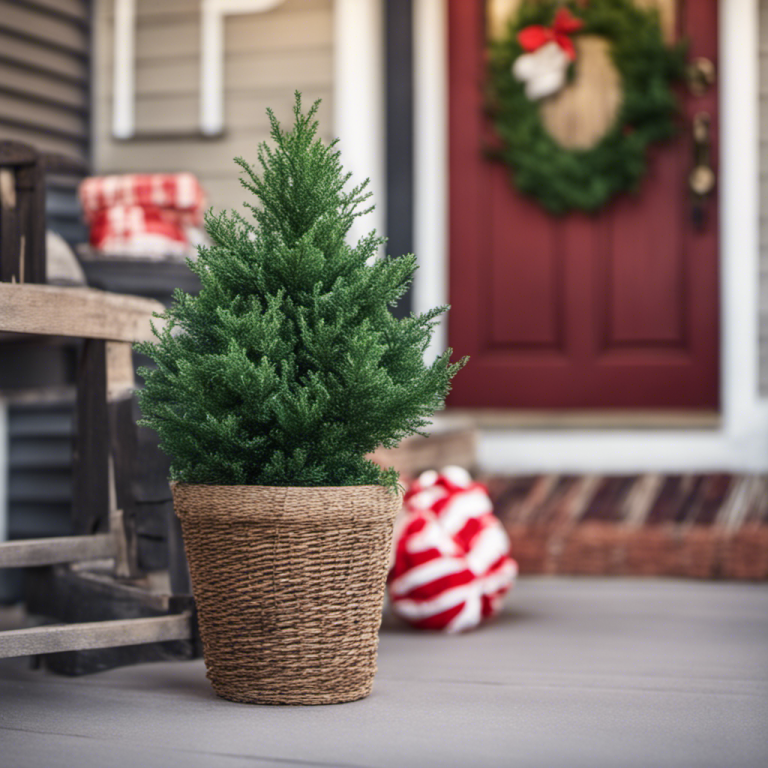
point(538, 56)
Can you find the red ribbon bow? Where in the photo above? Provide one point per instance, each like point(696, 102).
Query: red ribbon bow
point(565, 23)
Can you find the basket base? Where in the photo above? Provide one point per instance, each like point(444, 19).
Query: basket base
point(297, 699)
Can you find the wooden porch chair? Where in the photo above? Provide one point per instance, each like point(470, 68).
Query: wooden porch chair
point(95, 573)
point(109, 325)
point(22, 210)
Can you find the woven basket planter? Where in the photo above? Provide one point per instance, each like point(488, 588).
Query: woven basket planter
point(289, 585)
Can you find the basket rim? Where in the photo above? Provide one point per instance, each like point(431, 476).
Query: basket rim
point(181, 483)
point(271, 505)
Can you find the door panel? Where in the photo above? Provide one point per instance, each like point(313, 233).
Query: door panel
point(524, 294)
point(613, 310)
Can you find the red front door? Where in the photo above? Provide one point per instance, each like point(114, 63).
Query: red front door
point(613, 310)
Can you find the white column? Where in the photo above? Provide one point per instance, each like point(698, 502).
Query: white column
point(430, 47)
point(358, 101)
point(211, 68)
point(123, 70)
point(740, 214)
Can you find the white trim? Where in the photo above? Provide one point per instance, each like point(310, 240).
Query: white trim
point(430, 82)
point(211, 107)
point(212, 56)
point(741, 443)
point(123, 70)
point(358, 101)
point(740, 212)
point(211, 68)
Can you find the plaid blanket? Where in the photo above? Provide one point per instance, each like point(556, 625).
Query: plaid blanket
point(148, 214)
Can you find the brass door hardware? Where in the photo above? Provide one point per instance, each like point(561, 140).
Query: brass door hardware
point(701, 180)
point(700, 74)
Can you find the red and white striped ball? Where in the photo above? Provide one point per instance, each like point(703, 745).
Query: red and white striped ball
point(451, 565)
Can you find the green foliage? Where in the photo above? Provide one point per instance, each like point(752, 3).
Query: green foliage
point(288, 367)
point(566, 179)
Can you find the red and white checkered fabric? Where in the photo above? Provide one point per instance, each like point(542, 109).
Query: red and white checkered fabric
point(142, 214)
point(451, 564)
point(135, 231)
point(179, 192)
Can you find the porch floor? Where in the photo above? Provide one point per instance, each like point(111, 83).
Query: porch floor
point(576, 672)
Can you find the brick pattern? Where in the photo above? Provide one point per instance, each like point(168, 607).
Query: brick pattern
point(698, 526)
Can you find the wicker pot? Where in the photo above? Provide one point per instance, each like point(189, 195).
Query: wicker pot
point(289, 585)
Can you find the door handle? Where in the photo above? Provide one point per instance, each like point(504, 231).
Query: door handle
point(700, 75)
point(701, 180)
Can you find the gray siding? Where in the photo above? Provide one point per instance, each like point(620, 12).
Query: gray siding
point(267, 56)
point(763, 312)
point(44, 74)
point(45, 91)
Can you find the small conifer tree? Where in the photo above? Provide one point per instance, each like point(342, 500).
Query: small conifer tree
point(288, 367)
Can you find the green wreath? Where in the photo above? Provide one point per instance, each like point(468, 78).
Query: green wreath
point(585, 179)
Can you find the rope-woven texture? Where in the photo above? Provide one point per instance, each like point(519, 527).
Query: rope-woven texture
point(289, 585)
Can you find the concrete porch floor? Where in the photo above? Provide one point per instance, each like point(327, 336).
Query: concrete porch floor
point(574, 673)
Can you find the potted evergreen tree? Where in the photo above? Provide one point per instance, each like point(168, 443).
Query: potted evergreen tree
point(270, 388)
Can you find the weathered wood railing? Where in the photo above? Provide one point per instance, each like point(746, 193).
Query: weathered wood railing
point(88, 636)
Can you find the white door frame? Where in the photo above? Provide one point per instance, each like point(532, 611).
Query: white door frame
point(740, 443)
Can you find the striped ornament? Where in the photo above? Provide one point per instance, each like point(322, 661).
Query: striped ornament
point(451, 565)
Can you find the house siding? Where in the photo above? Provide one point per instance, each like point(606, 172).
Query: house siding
point(44, 75)
point(763, 306)
point(267, 56)
point(45, 92)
